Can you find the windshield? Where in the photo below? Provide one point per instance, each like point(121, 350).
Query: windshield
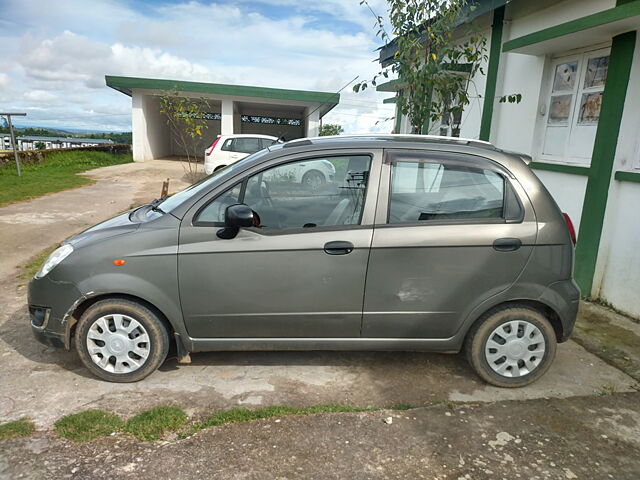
point(170, 203)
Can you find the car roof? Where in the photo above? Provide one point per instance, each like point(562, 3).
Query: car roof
point(252, 135)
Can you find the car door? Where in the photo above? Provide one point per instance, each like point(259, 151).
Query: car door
point(301, 273)
point(451, 231)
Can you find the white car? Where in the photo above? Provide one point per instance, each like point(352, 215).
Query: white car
point(228, 149)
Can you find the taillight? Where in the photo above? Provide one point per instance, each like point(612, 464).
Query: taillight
point(572, 230)
point(213, 145)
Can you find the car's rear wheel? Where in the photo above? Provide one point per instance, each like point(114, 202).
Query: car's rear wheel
point(313, 179)
point(121, 341)
point(512, 346)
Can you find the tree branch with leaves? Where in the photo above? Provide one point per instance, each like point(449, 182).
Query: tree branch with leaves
point(187, 122)
point(437, 55)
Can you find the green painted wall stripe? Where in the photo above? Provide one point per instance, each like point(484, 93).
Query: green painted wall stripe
point(557, 167)
point(390, 100)
point(492, 74)
point(125, 84)
point(604, 150)
point(628, 176)
point(620, 12)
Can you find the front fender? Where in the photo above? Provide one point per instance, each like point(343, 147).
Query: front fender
point(162, 293)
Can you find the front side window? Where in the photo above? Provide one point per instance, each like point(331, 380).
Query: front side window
point(321, 192)
point(426, 191)
point(214, 212)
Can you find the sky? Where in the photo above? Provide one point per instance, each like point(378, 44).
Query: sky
point(54, 54)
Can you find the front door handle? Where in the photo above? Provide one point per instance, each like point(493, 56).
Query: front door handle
point(507, 244)
point(338, 248)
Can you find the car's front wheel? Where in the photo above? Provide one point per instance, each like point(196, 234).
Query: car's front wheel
point(119, 340)
point(512, 346)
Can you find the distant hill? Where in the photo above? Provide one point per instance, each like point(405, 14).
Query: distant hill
point(20, 130)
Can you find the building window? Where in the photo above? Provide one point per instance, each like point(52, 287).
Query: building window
point(571, 106)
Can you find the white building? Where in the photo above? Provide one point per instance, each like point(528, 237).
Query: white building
point(576, 64)
point(31, 142)
point(233, 109)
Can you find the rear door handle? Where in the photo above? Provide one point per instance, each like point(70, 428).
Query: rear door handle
point(507, 244)
point(338, 248)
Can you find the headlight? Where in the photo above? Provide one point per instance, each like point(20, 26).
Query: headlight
point(54, 259)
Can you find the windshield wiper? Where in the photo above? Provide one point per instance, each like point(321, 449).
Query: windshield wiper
point(154, 204)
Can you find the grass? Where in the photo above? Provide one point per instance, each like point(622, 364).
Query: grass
point(150, 425)
point(30, 269)
point(56, 173)
point(22, 427)
point(88, 425)
point(237, 415)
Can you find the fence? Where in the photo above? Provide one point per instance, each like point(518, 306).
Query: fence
point(31, 157)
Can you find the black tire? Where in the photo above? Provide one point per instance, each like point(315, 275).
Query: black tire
point(156, 330)
point(314, 178)
point(479, 335)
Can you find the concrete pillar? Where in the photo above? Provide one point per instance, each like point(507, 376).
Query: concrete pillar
point(138, 127)
point(313, 122)
point(226, 125)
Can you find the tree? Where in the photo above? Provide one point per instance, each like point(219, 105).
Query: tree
point(40, 145)
point(436, 57)
point(331, 129)
point(187, 121)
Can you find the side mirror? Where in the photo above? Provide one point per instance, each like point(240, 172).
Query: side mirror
point(235, 217)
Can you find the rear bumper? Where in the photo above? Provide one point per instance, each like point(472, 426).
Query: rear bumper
point(564, 298)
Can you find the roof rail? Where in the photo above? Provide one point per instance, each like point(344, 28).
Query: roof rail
point(308, 140)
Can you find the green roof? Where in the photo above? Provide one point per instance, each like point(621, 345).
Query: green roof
point(126, 84)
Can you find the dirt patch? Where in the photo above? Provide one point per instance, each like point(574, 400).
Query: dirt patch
point(609, 336)
point(577, 438)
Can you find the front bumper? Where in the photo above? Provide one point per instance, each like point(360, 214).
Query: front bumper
point(50, 305)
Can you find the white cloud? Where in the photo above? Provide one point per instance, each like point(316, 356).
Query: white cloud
point(66, 52)
point(39, 95)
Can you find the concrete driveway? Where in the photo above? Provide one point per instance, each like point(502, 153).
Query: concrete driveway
point(45, 383)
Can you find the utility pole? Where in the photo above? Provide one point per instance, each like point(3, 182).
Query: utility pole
point(13, 137)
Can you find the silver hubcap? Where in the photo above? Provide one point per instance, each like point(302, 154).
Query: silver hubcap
point(515, 348)
point(313, 180)
point(118, 343)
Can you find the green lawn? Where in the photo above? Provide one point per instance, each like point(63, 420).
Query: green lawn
point(56, 173)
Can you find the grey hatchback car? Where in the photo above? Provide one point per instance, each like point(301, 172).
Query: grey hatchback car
point(414, 243)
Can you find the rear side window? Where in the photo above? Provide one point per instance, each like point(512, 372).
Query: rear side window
point(227, 146)
point(246, 145)
point(426, 191)
point(267, 142)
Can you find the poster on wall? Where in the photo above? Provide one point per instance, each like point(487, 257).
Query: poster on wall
point(565, 76)
point(596, 73)
point(559, 109)
point(590, 108)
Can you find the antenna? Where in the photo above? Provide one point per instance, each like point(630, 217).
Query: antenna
point(336, 93)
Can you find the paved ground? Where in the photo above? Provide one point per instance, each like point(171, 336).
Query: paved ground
point(45, 384)
point(578, 438)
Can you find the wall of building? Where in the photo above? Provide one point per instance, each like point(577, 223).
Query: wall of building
point(152, 137)
point(617, 278)
point(567, 190)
